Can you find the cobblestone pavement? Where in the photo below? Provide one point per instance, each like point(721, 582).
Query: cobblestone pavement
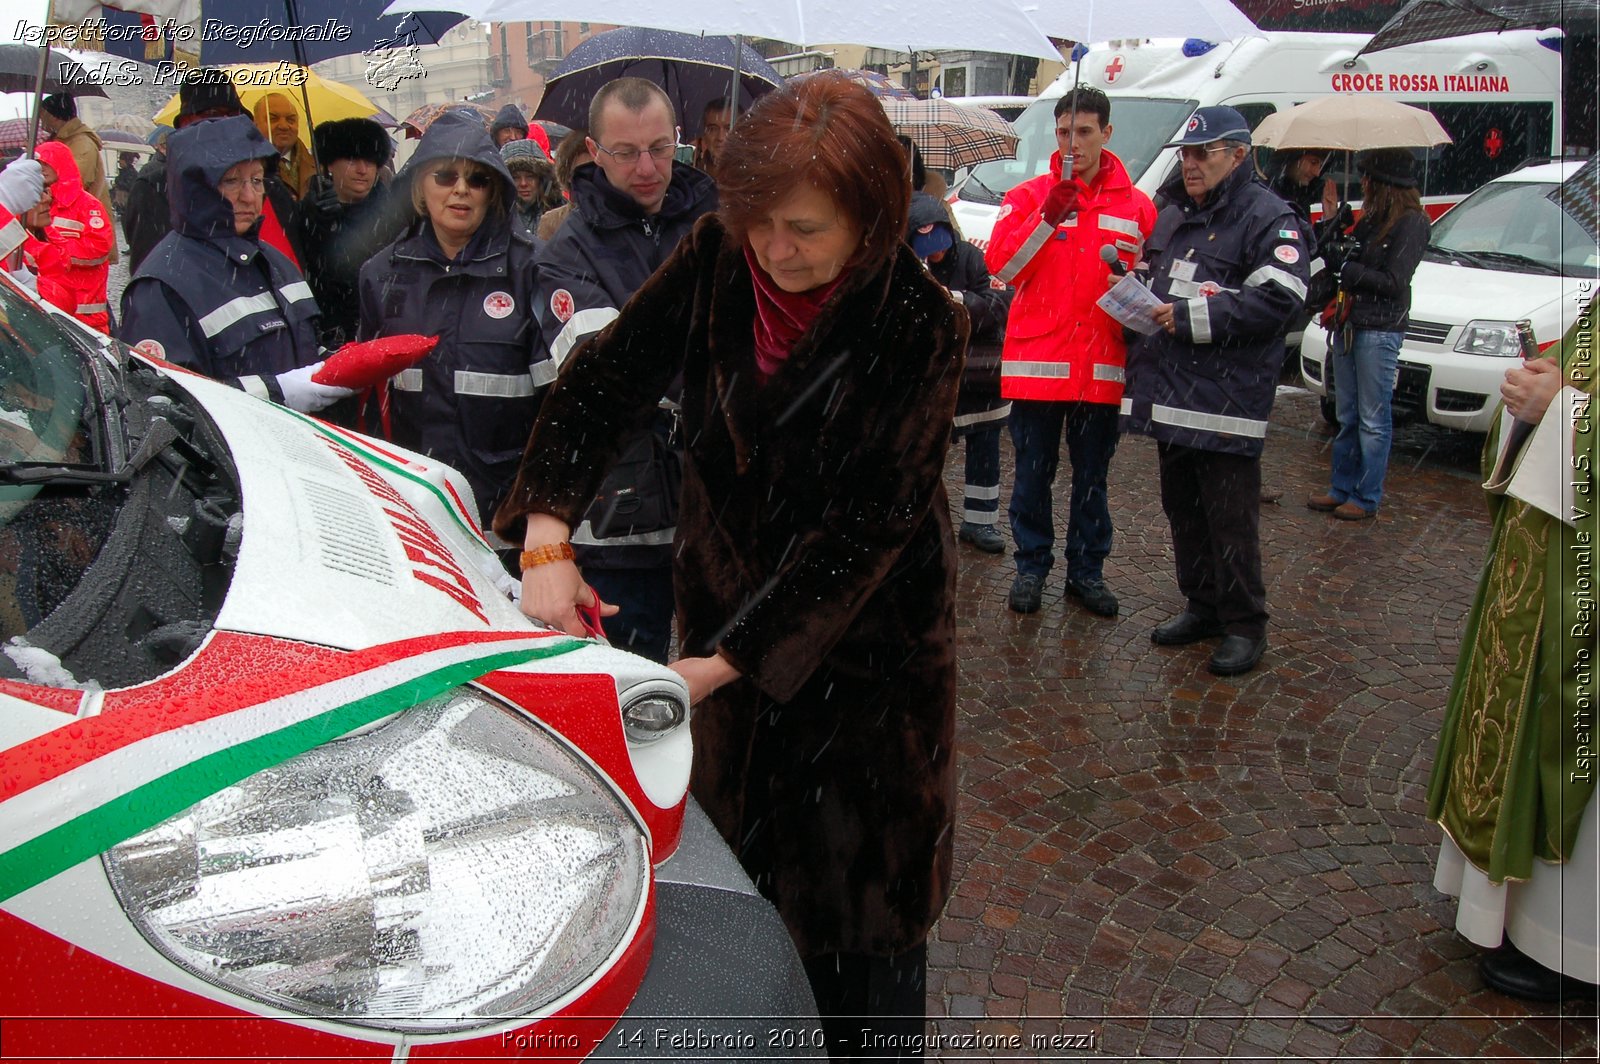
point(1154, 863)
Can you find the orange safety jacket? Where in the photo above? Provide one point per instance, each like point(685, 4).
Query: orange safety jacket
point(74, 260)
point(1059, 346)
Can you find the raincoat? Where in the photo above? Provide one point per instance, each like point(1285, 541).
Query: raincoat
point(232, 307)
point(964, 275)
point(1235, 270)
point(1059, 345)
point(471, 403)
point(74, 259)
point(84, 144)
point(815, 553)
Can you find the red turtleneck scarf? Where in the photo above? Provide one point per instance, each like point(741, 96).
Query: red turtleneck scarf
point(782, 317)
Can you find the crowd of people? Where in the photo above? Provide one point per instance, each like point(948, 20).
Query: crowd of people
point(711, 405)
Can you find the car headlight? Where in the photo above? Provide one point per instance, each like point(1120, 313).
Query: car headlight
point(1495, 338)
point(652, 712)
point(449, 866)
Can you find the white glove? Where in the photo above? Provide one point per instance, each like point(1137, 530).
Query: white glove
point(302, 393)
point(21, 186)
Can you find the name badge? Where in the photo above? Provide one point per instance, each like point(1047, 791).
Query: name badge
point(1183, 270)
point(1179, 288)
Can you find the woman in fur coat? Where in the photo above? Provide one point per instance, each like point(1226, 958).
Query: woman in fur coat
point(815, 573)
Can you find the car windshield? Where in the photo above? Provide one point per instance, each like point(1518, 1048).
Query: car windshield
point(51, 526)
point(1140, 126)
point(1514, 225)
point(46, 406)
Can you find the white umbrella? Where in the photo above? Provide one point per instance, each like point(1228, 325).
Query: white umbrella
point(1350, 123)
point(967, 25)
point(1089, 21)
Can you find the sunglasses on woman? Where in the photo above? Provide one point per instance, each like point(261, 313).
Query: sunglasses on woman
point(477, 179)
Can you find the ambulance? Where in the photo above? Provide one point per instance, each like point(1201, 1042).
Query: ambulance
point(1498, 95)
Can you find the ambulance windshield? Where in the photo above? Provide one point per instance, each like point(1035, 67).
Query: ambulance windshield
point(1140, 125)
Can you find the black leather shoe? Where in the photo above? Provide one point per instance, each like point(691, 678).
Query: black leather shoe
point(1518, 975)
point(1185, 628)
point(986, 538)
point(1236, 654)
point(1027, 591)
point(1096, 597)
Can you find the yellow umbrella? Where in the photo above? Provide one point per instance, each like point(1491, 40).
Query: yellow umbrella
point(256, 81)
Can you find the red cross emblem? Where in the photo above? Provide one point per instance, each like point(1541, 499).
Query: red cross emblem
point(561, 304)
point(498, 304)
point(1114, 69)
point(1493, 143)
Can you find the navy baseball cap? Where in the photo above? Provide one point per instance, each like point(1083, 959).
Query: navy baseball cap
point(1213, 123)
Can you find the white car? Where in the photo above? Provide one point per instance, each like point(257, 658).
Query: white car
point(285, 773)
point(1507, 253)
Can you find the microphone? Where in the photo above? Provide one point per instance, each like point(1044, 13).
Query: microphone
point(1108, 255)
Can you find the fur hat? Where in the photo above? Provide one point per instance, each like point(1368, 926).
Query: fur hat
point(352, 138)
point(526, 155)
point(60, 105)
point(1389, 166)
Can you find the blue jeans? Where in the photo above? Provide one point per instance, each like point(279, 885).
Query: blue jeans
point(1363, 385)
point(1036, 430)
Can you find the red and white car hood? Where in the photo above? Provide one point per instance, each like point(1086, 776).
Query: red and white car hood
point(362, 587)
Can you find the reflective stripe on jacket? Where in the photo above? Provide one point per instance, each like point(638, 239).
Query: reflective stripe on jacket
point(1059, 345)
point(1235, 271)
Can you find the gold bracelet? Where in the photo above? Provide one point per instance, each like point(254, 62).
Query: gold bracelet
point(550, 552)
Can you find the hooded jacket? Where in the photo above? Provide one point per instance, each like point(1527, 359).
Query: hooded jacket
point(508, 117)
point(85, 146)
point(966, 278)
point(1059, 345)
point(74, 259)
point(229, 306)
point(472, 401)
point(607, 248)
point(1234, 269)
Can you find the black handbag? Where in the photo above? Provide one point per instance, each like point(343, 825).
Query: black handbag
point(640, 494)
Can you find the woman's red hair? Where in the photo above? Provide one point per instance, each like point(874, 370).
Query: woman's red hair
point(829, 132)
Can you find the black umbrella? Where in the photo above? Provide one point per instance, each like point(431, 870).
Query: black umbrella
point(19, 71)
point(691, 69)
point(1431, 20)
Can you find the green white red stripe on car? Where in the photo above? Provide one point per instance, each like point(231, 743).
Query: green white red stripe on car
point(241, 705)
point(400, 467)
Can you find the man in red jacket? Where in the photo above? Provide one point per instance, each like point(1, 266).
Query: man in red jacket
point(1063, 360)
point(72, 255)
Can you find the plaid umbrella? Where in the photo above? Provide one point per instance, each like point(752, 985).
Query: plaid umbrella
point(876, 83)
point(1431, 20)
point(951, 135)
point(417, 122)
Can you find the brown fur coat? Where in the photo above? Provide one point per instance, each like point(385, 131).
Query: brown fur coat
point(814, 551)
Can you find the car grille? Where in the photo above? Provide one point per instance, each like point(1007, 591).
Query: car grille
point(1411, 391)
point(1427, 332)
point(1454, 402)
